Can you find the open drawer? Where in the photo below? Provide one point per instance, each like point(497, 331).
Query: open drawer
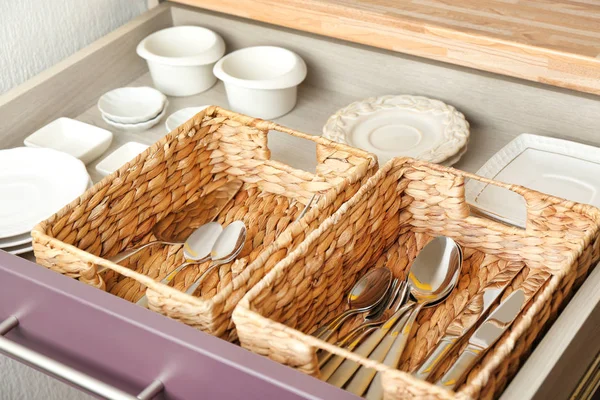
point(498, 109)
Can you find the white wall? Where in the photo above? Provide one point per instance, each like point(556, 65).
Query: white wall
point(35, 34)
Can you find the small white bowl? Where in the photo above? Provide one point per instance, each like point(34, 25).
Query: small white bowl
point(83, 141)
point(261, 81)
point(132, 105)
point(181, 59)
point(181, 116)
point(139, 127)
point(119, 157)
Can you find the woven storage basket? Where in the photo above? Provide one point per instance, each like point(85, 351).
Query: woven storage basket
point(387, 223)
point(213, 147)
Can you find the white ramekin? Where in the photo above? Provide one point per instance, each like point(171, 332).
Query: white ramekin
point(261, 81)
point(181, 59)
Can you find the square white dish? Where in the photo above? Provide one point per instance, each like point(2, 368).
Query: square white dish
point(81, 140)
point(120, 156)
point(557, 167)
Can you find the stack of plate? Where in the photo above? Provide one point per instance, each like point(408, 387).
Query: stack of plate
point(34, 184)
point(402, 126)
point(133, 109)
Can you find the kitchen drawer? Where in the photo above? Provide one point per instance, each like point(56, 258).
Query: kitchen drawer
point(130, 347)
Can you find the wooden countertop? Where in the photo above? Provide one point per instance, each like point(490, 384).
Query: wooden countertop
point(556, 42)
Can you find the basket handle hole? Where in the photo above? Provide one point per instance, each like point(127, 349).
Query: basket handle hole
point(499, 204)
point(293, 151)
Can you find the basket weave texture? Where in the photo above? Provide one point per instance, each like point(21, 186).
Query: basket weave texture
point(215, 146)
point(389, 220)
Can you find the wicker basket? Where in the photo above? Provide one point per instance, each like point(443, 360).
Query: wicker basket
point(386, 223)
point(213, 147)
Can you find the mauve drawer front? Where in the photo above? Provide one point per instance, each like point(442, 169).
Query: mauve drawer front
point(129, 347)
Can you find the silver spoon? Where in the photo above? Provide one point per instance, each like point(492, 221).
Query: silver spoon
point(175, 228)
point(227, 247)
point(427, 259)
point(366, 294)
point(196, 250)
point(432, 277)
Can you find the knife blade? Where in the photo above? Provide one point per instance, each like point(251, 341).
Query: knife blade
point(475, 309)
point(483, 338)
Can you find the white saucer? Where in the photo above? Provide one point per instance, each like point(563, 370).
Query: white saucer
point(396, 126)
point(16, 240)
point(181, 116)
point(132, 105)
point(20, 249)
point(35, 183)
point(139, 127)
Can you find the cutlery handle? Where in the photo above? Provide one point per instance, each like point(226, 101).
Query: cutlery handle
point(143, 301)
point(399, 335)
point(117, 258)
point(464, 363)
point(436, 357)
point(330, 365)
point(348, 367)
point(327, 330)
point(193, 288)
point(362, 379)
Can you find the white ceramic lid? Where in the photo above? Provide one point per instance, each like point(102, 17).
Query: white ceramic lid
point(261, 67)
point(130, 105)
point(182, 46)
point(36, 183)
point(396, 126)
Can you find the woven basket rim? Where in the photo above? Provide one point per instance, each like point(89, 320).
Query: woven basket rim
point(244, 308)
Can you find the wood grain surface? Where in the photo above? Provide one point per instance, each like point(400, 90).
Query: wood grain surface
point(556, 42)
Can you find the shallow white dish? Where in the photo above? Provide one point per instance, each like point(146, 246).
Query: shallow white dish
point(181, 116)
point(261, 81)
point(395, 126)
point(181, 59)
point(20, 249)
point(139, 127)
point(557, 167)
point(16, 240)
point(119, 157)
point(81, 140)
point(35, 183)
point(132, 105)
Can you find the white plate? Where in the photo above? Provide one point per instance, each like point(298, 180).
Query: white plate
point(140, 127)
point(81, 140)
point(35, 183)
point(557, 167)
point(394, 126)
point(16, 240)
point(24, 248)
point(132, 105)
point(119, 157)
point(181, 116)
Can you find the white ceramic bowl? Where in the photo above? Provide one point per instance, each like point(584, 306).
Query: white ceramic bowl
point(132, 105)
point(83, 141)
point(261, 81)
point(139, 127)
point(181, 116)
point(119, 157)
point(181, 59)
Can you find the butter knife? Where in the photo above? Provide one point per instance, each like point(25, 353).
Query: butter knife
point(483, 338)
point(472, 313)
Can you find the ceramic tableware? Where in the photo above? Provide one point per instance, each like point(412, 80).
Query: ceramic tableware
point(34, 184)
point(181, 59)
point(119, 157)
point(393, 126)
point(366, 294)
point(132, 105)
point(140, 126)
point(261, 81)
point(227, 247)
point(558, 167)
point(83, 141)
point(179, 117)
